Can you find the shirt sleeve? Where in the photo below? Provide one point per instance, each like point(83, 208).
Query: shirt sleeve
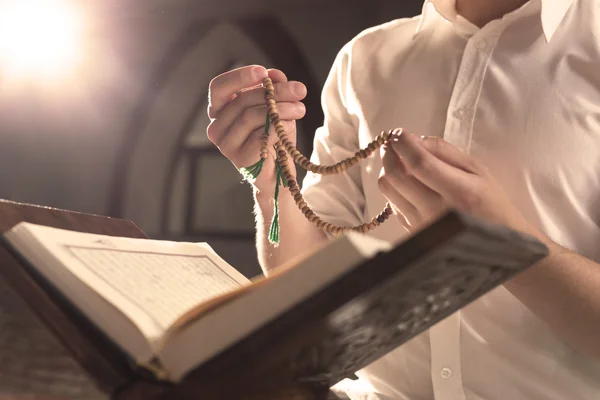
point(338, 199)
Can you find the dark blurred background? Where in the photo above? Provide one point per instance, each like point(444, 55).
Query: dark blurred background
point(103, 104)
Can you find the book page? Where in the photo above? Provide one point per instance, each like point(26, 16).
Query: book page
point(122, 283)
point(163, 285)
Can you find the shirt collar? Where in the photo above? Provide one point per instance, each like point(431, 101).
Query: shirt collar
point(552, 14)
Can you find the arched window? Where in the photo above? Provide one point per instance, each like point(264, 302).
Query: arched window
point(170, 179)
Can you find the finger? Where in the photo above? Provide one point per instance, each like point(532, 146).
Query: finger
point(223, 88)
point(427, 201)
point(451, 154)
point(251, 148)
point(436, 174)
point(404, 209)
point(251, 119)
point(277, 75)
point(284, 92)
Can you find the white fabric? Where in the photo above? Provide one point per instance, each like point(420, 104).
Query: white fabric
point(522, 94)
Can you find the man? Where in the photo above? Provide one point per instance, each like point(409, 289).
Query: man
point(507, 95)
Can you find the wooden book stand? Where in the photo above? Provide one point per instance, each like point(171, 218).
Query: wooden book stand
point(301, 354)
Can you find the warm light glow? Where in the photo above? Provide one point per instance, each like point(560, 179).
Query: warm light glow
point(41, 37)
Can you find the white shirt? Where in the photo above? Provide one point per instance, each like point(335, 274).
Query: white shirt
point(522, 95)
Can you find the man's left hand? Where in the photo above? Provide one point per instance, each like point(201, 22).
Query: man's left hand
point(424, 176)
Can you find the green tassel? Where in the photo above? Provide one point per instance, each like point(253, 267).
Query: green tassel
point(251, 173)
point(274, 230)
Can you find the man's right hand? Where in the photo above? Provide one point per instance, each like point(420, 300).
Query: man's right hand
point(238, 110)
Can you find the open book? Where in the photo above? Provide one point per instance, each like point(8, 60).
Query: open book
point(173, 306)
point(157, 299)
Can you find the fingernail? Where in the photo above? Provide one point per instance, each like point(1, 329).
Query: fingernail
point(301, 107)
point(259, 73)
point(382, 150)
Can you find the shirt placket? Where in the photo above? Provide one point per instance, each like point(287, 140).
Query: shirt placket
point(446, 373)
point(463, 103)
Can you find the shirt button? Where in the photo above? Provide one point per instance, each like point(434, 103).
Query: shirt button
point(446, 373)
point(460, 113)
point(480, 44)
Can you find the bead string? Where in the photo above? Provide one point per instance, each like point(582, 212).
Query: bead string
point(285, 147)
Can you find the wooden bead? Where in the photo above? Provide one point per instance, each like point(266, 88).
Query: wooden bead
point(339, 168)
point(363, 154)
point(368, 152)
point(372, 226)
point(358, 155)
point(380, 219)
point(371, 147)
